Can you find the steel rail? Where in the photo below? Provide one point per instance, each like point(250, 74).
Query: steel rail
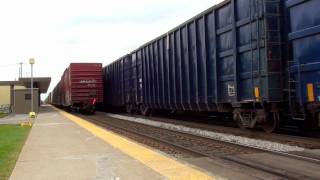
point(255, 165)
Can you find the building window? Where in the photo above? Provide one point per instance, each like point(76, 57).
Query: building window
point(27, 96)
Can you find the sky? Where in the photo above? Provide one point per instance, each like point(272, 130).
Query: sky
point(56, 33)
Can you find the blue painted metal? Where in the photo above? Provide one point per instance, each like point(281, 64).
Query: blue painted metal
point(119, 82)
point(235, 50)
point(218, 57)
point(304, 17)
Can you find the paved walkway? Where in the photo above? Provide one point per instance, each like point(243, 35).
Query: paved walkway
point(60, 148)
point(14, 119)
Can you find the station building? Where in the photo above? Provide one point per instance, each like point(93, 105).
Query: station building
point(15, 96)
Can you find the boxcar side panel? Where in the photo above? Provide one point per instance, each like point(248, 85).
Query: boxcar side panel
point(84, 81)
point(305, 37)
point(221, 56)
point(230, 54)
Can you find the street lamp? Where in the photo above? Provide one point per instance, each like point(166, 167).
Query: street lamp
point(31, 62)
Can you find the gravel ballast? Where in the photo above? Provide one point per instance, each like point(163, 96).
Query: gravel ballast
point(257, 143)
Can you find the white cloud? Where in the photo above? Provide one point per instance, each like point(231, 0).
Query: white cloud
point(58, 32)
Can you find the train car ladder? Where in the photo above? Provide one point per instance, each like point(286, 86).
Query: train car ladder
point(293, 85)
point(273, 36)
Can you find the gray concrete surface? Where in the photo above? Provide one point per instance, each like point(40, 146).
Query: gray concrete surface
point(14, 119)
point(59, 149)
point(304, 167)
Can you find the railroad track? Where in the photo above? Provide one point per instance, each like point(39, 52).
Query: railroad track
point(184, 145)
point(176, 139)
point(305, 142)
point(210, 125)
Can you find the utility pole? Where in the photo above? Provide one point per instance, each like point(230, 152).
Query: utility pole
point(31, 62)
point(20, 69)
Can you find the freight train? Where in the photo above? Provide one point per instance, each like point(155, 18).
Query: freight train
point(236, 58)
point(80, 88)
point(256, 60)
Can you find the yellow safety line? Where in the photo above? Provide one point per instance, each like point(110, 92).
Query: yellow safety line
point(160, 163)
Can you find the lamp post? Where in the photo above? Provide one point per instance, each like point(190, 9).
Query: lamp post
point(31, 62)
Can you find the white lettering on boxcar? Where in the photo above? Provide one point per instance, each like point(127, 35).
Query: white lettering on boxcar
point(87, 81)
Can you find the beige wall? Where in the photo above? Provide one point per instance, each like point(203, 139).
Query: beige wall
point(19, 87)
point(5, 95)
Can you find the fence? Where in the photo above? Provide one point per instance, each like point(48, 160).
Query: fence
point(5, 108)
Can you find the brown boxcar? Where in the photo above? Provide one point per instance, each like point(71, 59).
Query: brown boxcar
point(81, 87)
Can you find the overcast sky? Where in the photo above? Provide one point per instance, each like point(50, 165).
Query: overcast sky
point(58, 32)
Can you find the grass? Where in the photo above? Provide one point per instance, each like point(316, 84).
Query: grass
point(12, 138)
point(3, 114)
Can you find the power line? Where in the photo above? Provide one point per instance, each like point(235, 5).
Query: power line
point(7, 65)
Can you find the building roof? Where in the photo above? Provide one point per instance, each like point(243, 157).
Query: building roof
point(8, 83)
point(39, 82)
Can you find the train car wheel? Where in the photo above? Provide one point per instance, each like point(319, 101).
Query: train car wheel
point(145, 110)
point(238, 118)
point(272, 122)
point(318, 120)
point(129, 109)
point(241, 125)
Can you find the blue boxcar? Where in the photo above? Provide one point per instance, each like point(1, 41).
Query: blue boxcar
point(304, 17)
point(117, 81)
point(214, 58)
point(226, 59)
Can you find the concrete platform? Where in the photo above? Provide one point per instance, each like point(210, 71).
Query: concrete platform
point(60, 148)
point(14, 119)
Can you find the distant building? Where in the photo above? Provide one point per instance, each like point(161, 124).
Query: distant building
point(17, 94)
point(4, 98)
